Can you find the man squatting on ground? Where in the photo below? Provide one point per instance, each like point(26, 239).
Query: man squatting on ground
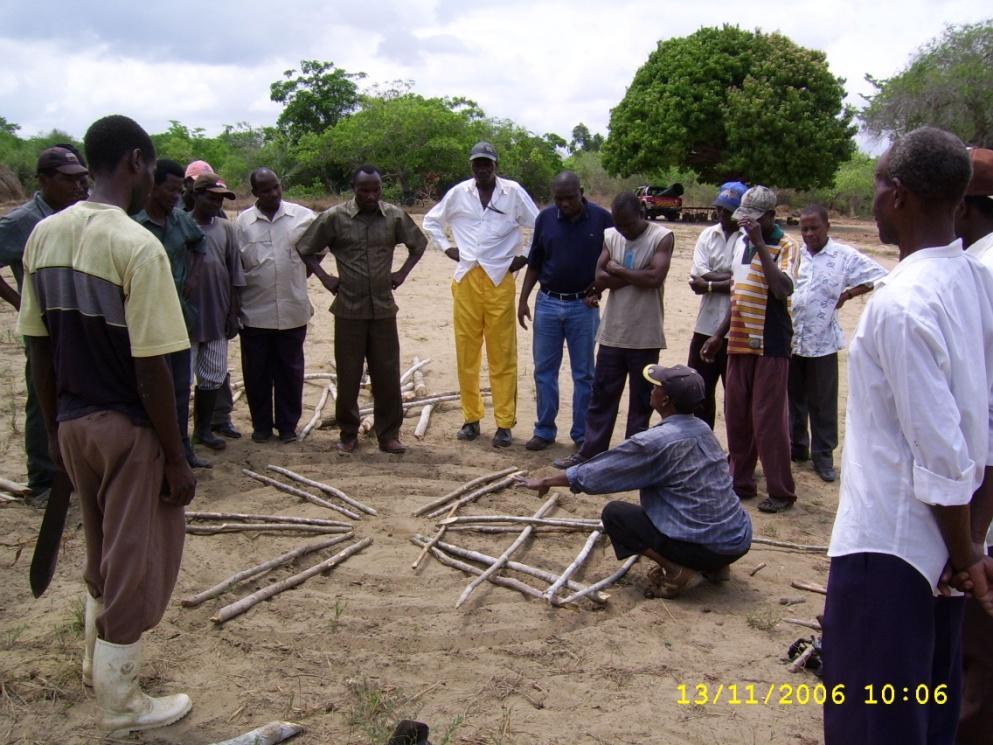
point(101, 316)
point(916, 493)
point(830, 275)
point(689, 521)
point(362, 234)
point(486, 214)
point(567, 243)
point(275, 308)
point(633, 265)
point(63, 181)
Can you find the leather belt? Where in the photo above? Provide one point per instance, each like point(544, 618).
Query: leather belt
point(564, 295)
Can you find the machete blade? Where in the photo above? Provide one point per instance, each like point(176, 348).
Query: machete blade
point(46, 549)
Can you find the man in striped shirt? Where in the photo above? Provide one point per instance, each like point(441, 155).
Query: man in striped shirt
point(760, 332)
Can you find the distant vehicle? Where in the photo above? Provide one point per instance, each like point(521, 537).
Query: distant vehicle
point(664, 201)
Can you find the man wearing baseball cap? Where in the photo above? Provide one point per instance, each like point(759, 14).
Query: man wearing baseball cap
point(690, 522)
point(63, 180)
point(710, 278)
point(759, 331)
point(487, 216)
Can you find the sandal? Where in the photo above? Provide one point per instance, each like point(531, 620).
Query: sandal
point(775, 504)
point(666, 585)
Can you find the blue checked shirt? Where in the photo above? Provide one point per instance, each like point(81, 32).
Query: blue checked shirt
point(682, 475)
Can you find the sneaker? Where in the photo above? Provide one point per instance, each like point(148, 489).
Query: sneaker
point(573, 460)
point(537, 443)
point(469, 432)
point(775, 504)
point(503, 438)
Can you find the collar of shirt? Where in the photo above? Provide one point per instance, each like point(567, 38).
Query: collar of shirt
point(352, 208)
point(950, 251)
point(259, 215)
point(584, 215)
point(981, 247)
point(829, 249)
point(42, 206)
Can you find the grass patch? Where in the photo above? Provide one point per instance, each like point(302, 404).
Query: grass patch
point(763, 619)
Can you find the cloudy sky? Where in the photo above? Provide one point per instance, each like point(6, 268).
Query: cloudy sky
point(546, 65)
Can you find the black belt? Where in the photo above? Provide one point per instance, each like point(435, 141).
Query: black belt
point(564, 295)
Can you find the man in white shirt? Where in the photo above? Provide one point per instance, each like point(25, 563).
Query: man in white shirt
point(486, 215)
point(830, 274)
point(917, 479)
point(274, 307)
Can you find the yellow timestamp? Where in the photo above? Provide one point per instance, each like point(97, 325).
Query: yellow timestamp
point(803, 694)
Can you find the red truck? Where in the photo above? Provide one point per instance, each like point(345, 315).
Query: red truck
point(665, 201)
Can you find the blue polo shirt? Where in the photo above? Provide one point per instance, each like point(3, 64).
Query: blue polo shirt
point(564, 252)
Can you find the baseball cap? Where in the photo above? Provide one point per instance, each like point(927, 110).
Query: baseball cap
point(212, 182)
point(682, 384)
point(981, 184)
point(61, 160)
point(729, 196)
point(755, 202)
point(483, 150)
point(197, 167)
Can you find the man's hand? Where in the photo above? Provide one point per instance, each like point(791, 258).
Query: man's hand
point(518, 263)
point(611, 267)
point(698, 285)
point(54, 451)
point(182, 483)
point(452, 253)
point(710, 348)
point(523, 311)
point(753, 230)
point(397, 278)
point(330, 283)
point(592, 299)
point(977, 581)
point(537, 485)
point(231, 326)
point(843, 298)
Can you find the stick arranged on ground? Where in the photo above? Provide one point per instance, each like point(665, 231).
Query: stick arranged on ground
point(367, 424)
point(263, 528)
point(422, 424)
point(265, 518)
point(510, 582)
point(758, 569)
point(466, 487)
point(801, 622)
point(326, 488)
point(543, 574)
point(784, 544)
point(552, 592)
point(299, 493)
point(12, 487)
point(434, 398)
point(499, 529)
point(419, 386)
point(559, 521)
point(474, 495)
point(237, 608)
point(316, 418)
point(437, 537)
point(262, 568)
point(505, 556)
point(270, 734)
point(237, 396)
point(809, 587)
point(408, 373)
point(320, 376)
point(604, 583)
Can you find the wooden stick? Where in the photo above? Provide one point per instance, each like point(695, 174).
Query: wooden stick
point(366, 425)
point(784, 544)
point(758, 569)
point(262, 568)
point(628, 563)
point(434, 398)
point(237, 608)
point(326, 488)
point(501, 529)
point(419, 387)
point(798, 664)
point(12, 487)
point(537, 572)
point(263, 527)
point(237, 396)
point(437, 537)
point(809, 587)
point(320, 376)
point(316, 418)
point(566, 522)
point(510, 582)
point(414, 368)
point(801, 622)
point(468, 486)
point(551, 592)
point(422, 424)
point(270, 734)
point(264, 518)
point(502, 558)
point(299, 493)
point(474, 495)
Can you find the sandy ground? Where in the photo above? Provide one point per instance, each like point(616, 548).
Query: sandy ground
point(348, 653)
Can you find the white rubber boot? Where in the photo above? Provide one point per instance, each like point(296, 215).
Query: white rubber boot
point(93, 608)
point(124, 707)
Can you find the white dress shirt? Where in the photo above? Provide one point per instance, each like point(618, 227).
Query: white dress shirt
point(275, 294)
point(917, 431)
point(822, 278)
point(712, 253)
point(489, 237)
point(982, 250)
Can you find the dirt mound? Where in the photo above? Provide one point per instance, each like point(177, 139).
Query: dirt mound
point(10, 186)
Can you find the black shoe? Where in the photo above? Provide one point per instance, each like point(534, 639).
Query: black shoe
point(502, 438)
point(538, 443)
point(469, 432)
point(262, 436)
point(192, 459)
point(775, 504)
point(290, 436)
point(573, 460)
point(799, 455)
point(203, 410)
point(825, 471)
point(227, 429)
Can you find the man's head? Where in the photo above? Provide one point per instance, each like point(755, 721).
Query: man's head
point(209, 193)
point(568, 195)
point(63, 178)
point(974, 219)
point(483, 161)
point(814, 227)
point(678, 389)
point(168, 186)
point(626, 211)
point(267, 189)
point(120, 151)
point(758, 204)
point(920, 180)
point(367, 185)
point(727, 201)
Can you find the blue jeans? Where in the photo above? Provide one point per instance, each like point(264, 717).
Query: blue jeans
point(556, 321)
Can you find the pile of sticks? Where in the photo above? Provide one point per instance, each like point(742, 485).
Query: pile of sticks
point(326, 489)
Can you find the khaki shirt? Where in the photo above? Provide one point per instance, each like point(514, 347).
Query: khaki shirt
point(363, 247)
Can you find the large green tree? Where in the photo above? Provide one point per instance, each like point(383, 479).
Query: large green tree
point(948, 84)
point(729, 103)
point(316, 98)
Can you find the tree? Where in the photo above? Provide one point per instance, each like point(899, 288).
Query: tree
point(583, 141)
point(316, 98)
point(948, 84)
point(727, 103)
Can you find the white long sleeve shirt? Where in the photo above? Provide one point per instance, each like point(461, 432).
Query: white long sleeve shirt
point(488, 237)
point(920, 407)
point(712, 253)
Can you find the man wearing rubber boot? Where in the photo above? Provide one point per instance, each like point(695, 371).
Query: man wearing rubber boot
point(101, 316)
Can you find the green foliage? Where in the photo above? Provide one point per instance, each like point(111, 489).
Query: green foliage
point(948, 84)
point(316, 98)
point(583, 141)
point(850, 194)
point(21, 155)
point(733, 104)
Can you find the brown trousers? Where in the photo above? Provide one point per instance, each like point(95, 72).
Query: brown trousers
point(134, 540)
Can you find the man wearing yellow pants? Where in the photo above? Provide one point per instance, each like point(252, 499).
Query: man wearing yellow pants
point(486, 215)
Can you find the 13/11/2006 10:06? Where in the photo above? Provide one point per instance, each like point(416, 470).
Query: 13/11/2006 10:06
point(788, 694)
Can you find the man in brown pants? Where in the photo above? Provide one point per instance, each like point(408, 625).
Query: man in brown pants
point(101, 314)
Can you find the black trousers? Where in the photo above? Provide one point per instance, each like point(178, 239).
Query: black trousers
point(272, 361)
point(711, 372)
point(376, 341)
point(813, 394)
